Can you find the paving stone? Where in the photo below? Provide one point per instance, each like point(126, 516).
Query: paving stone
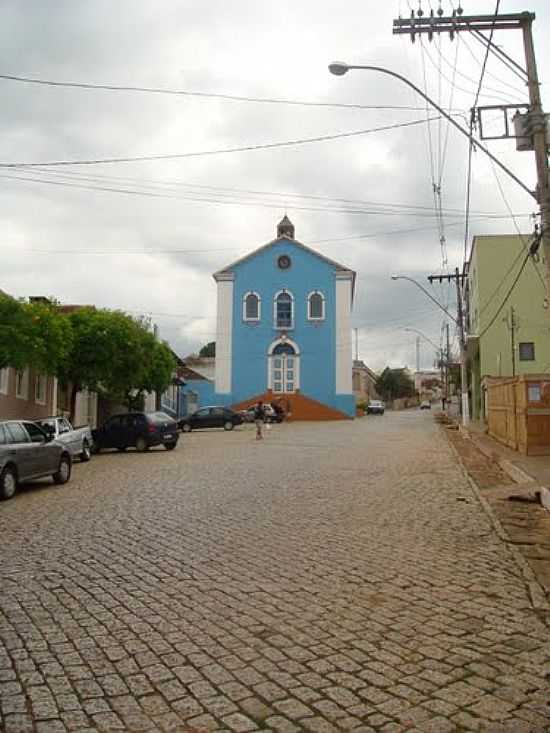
point(18, 723)
point(239, 723)
point(351, 595)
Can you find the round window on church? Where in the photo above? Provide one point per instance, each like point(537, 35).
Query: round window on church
point(283, 262)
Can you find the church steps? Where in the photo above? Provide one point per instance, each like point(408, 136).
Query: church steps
point(301, 406)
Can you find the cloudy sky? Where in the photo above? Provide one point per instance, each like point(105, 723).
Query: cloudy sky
point(145, 236)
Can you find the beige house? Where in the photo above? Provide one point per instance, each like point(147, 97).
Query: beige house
point(26, 395)
point(363, 382)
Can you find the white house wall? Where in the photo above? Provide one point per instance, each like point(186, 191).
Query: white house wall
point(224, 335)
point(343, 335)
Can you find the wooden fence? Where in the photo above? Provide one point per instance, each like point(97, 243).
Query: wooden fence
point(518, 412)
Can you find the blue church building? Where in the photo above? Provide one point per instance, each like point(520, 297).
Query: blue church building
point(284, 330)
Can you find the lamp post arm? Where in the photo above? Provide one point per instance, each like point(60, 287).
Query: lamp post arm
point(453, 122)
point(430, 296)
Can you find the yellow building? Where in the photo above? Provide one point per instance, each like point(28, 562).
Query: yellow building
point(508, 332)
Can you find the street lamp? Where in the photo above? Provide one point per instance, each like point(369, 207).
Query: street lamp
point(429, 295)
point(339, 68)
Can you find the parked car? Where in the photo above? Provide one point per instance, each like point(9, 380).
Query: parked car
point(271, 414)
point(26, 453)
point(425, 405)
point(139, 430)
point(216, 416)
point(375, 407)
point(77, 440)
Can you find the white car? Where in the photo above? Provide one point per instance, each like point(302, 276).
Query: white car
point(78, 441)
point(425, 405)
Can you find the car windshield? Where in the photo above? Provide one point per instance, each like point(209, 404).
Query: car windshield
point(159, 417)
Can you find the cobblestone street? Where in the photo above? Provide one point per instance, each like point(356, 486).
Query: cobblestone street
point(336, 576)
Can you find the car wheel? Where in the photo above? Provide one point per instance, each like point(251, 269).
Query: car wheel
point(122, 448)
point(86, 452)
point(141, 444)
point(63, 473)
point(8, 483)
point(186, 427)
point(228, 425)
point(170, 446)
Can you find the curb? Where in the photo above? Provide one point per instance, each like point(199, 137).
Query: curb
point(536, 592)
point(517, 474)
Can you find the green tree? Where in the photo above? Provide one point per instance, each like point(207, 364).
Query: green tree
point(115, 355)
point(33, 335)
point(209, 349)
point(394, 383)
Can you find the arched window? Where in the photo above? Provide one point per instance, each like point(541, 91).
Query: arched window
point(284, 310)
point(251, 307)
point(316, 306)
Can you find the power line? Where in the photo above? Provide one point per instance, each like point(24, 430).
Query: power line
point(205, 95)
point(489, 44)
point(493, 319)
point(515, 89)
point(221, 151)
point(461, 89)
point(328, 241)
point(223, 191)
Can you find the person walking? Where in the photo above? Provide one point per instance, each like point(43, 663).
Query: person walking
point(259, 418)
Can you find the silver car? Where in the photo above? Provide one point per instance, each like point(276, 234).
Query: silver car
point(27, 453)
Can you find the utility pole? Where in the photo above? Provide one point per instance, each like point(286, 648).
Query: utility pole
point(531, 126)
point(458, 277)
point(356, 330)
point(447, 362)
point(418, 353)
point(513, 339)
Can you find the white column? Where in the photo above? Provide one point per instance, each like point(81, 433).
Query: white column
point(224, 333)
point(344, 361)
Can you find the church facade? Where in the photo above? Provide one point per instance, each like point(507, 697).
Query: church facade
point(284, 329)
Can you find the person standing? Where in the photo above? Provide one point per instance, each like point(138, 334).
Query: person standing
point(259, 417)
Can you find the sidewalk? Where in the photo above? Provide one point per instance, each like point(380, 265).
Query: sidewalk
point(520, 468)
point(517, 506)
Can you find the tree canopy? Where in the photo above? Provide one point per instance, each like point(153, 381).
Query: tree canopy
point(394, 383)
point(209, 349)
point(108, 352)
point(115, 355)
point(33, 334)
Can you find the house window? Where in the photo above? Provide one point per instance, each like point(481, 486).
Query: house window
point(284, 307)
point(251, 307)
point(316, 306)
point(22, 384)
point(40, 389)
point(527, 351)
point(4, 375)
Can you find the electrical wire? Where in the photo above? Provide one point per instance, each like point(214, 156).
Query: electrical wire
point(489, 44)
point(515, 89)
point(518, 231)
point(206, 95)
point(505, 300)
point(221, 151)
point(461, 89)
point(229, 191)
point(468, 78)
